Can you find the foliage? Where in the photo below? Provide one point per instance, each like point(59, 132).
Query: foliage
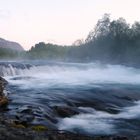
point(8, 53)
point(113, 41)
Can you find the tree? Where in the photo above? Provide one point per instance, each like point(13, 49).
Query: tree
point(101, 28)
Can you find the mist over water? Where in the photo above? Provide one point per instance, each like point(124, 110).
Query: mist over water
point(77, 74)
point(106, 95)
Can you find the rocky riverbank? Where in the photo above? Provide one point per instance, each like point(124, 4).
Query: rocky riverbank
point(16, 130)
point(3, 98)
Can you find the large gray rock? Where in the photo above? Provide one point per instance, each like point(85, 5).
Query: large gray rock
point(10, 45)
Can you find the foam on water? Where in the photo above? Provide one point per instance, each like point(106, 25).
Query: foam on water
point(98, 122)
point(77, 75)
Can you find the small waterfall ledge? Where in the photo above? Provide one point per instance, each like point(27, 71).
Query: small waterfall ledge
point(13, 68)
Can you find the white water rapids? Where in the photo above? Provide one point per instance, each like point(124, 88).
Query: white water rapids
point(73, 76)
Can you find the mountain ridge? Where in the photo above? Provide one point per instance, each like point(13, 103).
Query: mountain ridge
point(10, 45)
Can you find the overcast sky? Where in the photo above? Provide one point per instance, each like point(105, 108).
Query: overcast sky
point(58, 21)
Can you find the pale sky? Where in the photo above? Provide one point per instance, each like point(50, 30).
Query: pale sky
point(58, 21)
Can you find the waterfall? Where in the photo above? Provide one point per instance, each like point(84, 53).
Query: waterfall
point(13, 68)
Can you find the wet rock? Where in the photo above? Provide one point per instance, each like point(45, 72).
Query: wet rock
point(39, 128)
point(120, 138)
point(27, 111)
point(26, 118)
point(63, 111)
point(3, 83)
point(3, 101)
point(17, 131)
point(20, 123)
point(3, 98)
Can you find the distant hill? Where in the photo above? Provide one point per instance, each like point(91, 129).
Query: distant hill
point(10, 45)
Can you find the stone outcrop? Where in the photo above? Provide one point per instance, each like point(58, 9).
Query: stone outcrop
point(3, 98)
point(63, 111)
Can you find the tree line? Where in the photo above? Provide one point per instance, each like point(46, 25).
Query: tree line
point(111, 41)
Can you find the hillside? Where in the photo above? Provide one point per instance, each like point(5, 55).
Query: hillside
point(10, 45)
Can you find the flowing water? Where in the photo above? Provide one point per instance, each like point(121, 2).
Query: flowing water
point(107, 96)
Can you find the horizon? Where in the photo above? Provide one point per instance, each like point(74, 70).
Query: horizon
point(63, 22)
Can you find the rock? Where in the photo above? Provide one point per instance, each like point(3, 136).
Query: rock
point(25, 118)
point(3, 101)
point(12, 130)
point(18, 126)
point(27, 111)
point(3, 98)
point(20, 123)
point(63, 111)
point(3, 83)
point(39, 128)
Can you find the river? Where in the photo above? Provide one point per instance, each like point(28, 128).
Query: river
point(107, 97)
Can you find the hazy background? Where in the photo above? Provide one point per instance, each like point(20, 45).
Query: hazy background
point(58, 21)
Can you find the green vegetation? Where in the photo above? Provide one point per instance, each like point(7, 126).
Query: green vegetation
point(6, 53)
point(46, 51)
point(115, 42)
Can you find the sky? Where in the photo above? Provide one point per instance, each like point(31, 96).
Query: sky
point(58, 21)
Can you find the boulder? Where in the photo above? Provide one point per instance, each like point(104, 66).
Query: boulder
point(3, 101)
point(3, 82)
point(63, 111)
point(3, 98)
